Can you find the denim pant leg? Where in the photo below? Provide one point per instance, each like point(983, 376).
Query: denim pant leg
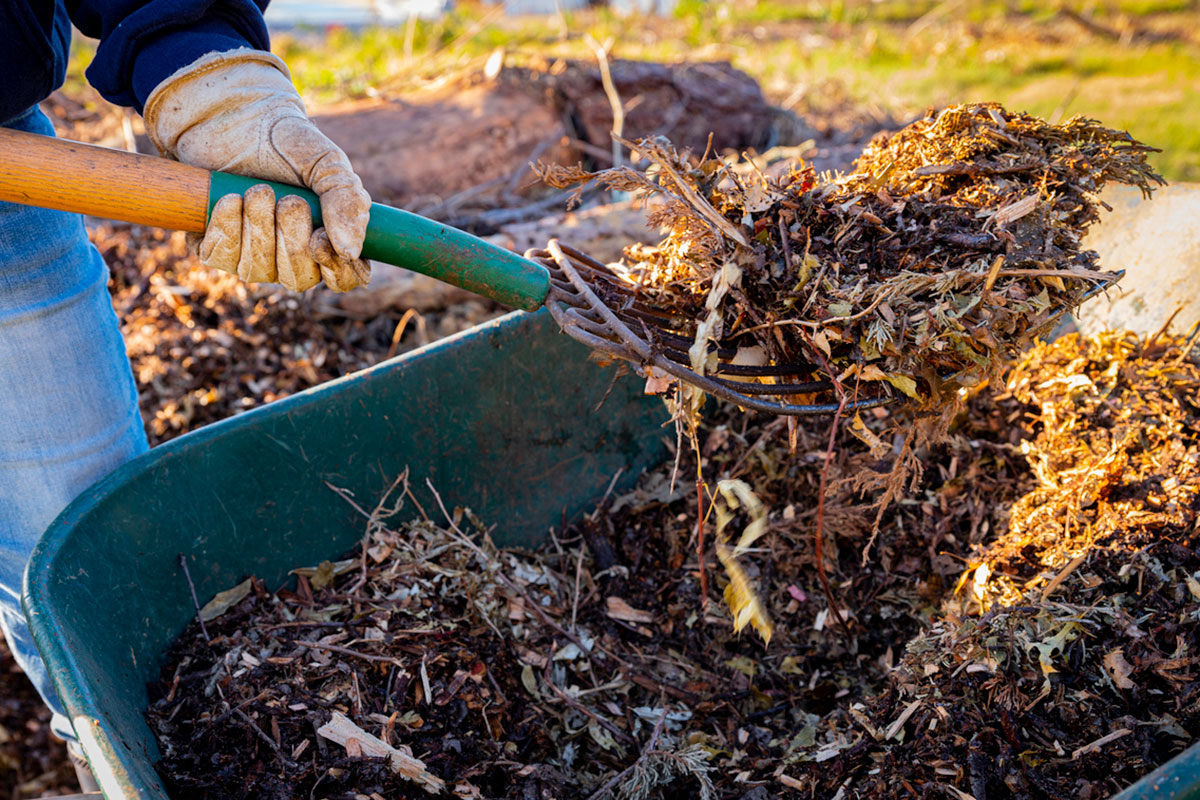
point(68, 402)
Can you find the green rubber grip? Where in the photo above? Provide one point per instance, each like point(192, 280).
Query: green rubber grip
point(413, 242)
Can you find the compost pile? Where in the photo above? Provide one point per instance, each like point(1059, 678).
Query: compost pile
point(1024, 627)
point(591, 665)
point(1066, 667)
point(953, 244)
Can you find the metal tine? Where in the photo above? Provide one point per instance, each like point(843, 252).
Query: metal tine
point(593, 268)
point(676, 345)
point(581, 314)
point(723, 369)
point(811, 387)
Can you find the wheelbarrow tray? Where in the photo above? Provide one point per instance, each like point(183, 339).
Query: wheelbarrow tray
point(510, 419)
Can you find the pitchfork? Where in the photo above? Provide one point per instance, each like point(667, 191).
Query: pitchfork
point(588, 300)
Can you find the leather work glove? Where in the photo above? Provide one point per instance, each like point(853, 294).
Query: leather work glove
point(238, 112)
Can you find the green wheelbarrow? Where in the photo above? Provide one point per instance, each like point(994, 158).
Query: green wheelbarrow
point(508, 418)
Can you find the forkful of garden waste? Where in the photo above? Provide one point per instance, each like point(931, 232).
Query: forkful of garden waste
point(794, 295)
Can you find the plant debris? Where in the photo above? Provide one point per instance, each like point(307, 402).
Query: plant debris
point(953, 244)
point(1065, 666)
point(1025, 628)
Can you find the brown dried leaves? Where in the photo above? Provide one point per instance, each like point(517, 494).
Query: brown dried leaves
point(954, 243)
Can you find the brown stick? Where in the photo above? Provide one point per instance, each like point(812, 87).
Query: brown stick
point(820, 533)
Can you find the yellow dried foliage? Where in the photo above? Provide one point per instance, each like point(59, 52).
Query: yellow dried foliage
point(741, 595)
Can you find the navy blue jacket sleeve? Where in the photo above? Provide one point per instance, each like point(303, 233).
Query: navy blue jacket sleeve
point(144, 41)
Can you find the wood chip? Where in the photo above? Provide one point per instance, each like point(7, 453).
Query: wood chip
point(619, 609)
point(1103, 740)
point(790, 782)
point(894, 729)
point(341, 730)
point(1013, 212)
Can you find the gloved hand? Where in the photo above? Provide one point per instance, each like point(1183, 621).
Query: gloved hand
point(238, 112)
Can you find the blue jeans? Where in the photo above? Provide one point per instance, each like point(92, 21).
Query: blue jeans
point(68, 402)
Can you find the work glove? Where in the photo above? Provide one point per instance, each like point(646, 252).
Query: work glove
point(238, 112)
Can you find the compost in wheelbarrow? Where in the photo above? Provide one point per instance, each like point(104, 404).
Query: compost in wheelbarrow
point(595, 665)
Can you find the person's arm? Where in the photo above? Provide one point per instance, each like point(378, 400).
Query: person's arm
point(213, 96)
point(142, 42)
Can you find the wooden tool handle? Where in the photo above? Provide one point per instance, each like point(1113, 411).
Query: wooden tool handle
point(113, 184)
point(70, 176)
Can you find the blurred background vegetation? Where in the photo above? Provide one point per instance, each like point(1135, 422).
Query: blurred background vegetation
point(1132, 64)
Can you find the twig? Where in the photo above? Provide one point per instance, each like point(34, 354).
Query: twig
point(349, 498)
point(346, 651)
point(224, 715)
point(262, 735)
point(769, 431)
point(398, 333)
point(1162, 329)
point(1063, 575)
point(620, 776)
point(783, 237)
point(614, 99)
point(587, 148)
point(607, 492)
point(816, 285)
point(702, 206)
point(454, 201)
point(503, 216)
point(820, 528)
point(1187, 347)
point(1096, 745)
point(806, 323)
point(1049, 273)
point(700, 543)
point(500, 576)
point(195, 600)
point(580, 707)
point(819, 535)
point(575, 596)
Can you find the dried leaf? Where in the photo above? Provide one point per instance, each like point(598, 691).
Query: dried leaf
point(741, 597)
point(225, 600)
point(619, 609)
point(877, 446)
point(904, 384)
point(821, 340)
point(1119, 669)
point(738, 494)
